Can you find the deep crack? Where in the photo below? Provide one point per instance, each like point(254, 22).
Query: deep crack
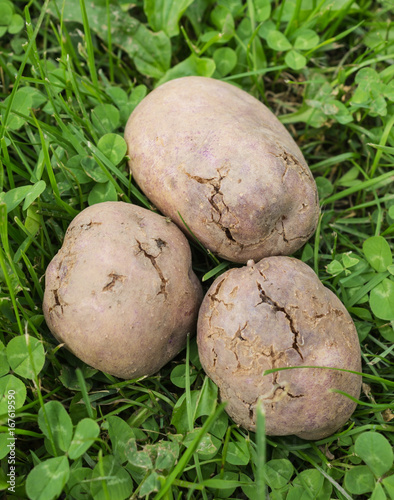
point(163, 286)
point(57, 301)
point(262, 274)
point(228, 233)
point(200, 180)
point(294, 396)
point(215, 183)
point(214, 298)
point(215, 293)
point(267, 300)
point(238, 333)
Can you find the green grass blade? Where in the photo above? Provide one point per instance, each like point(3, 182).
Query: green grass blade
point(358, 187)
point(189, 452)
point(22, 66)
point(89, 45)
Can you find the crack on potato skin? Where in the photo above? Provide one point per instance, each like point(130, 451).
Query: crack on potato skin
point(260, 272)
point(336, 311)
point(114, 278)
point(217, 331)
point(279, 392)
point(316, 318)
point(283, 230)
point(265, 299)
point(57, 301)
point(251, 408)
point(215, 183)
point(295, 396)
point(215, 357)
point(265, 237)
point(152, 258)
point(213, 297)
point(59, 267)
point(88, 226)
point(200, 180)
point(303, 237)
point(290, 160)
point(238, 333)
point(61, 276)
point(56, 297)
point(273, 357)
point(238, 367)
point(289, 240)
point(217, 289)
point(273, 231)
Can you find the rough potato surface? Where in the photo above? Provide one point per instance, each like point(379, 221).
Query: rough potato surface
point(220, 158)
point(120, 293)
point(272, 314)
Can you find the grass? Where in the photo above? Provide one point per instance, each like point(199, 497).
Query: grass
point(68, 85)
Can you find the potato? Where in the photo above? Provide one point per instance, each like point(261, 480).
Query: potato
point(208, 152)
point(121, 293)
point(273, 314)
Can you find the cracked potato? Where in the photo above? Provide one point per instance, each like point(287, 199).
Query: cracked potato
point(273, 314)
point(120, 293)
point(209, 152)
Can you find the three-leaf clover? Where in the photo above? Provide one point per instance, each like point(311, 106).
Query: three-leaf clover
point(302, 41)
point(9, 21)
point(376, 452)
point(372, 92)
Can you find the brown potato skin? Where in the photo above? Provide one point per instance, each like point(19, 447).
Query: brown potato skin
point(217, 156)
point(120, 293)
point(273, 314)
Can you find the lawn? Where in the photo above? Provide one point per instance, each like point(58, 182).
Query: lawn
point(71, 73)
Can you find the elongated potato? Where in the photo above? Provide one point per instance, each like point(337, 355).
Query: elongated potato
point(277, 314)
point(121, 293)
point(210, 153)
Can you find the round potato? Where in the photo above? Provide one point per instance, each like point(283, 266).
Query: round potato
point(211, 154)
point(121, 293)
point(274, 314)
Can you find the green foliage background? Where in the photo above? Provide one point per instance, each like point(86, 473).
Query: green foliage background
point(71, 73)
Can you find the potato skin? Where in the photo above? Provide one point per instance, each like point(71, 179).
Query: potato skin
point(219, 157)
point(120, 293)
point(272, 314)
